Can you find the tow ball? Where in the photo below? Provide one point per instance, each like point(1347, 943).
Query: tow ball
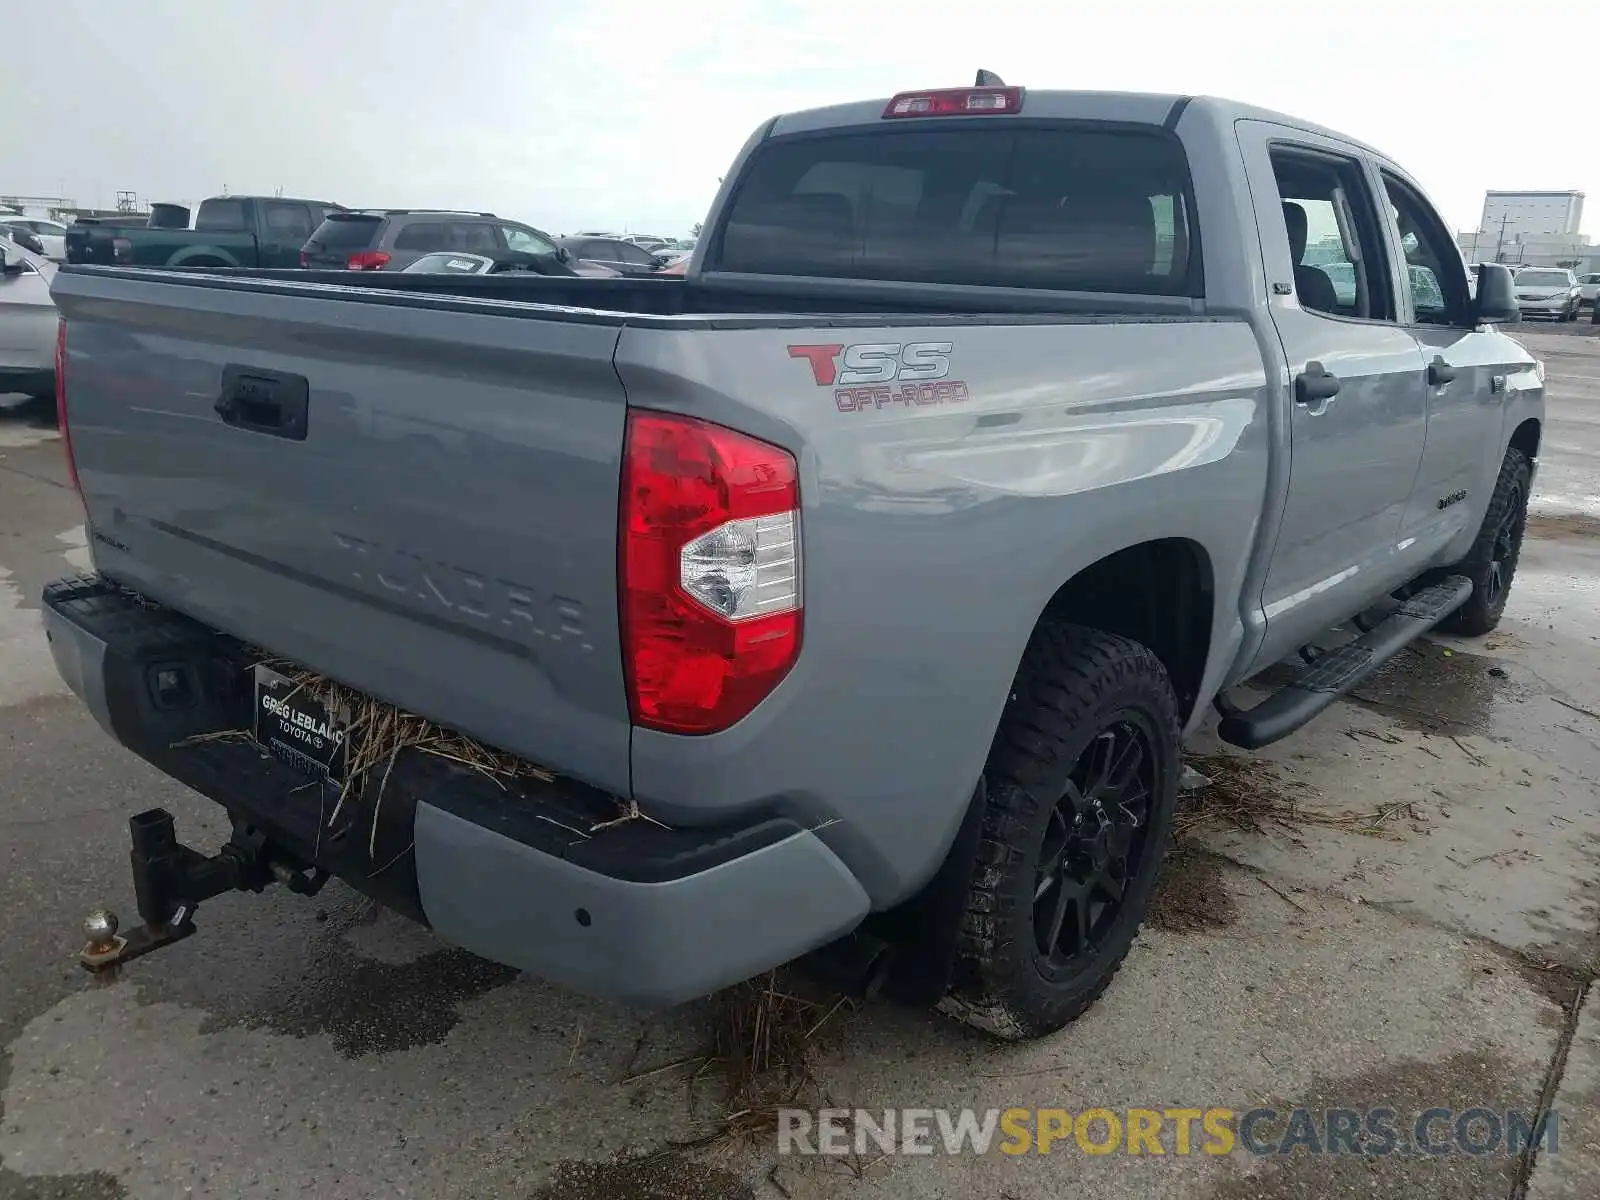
point(171, 879)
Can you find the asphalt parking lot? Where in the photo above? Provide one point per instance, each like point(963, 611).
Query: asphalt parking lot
point(1420, 934)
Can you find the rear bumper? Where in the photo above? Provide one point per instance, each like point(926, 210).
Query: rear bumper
point(635, 912)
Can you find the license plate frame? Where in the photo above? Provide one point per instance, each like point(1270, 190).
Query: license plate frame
point(297, 727)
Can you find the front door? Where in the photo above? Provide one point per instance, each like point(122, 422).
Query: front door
point(1467, 378)
point(1357, 404)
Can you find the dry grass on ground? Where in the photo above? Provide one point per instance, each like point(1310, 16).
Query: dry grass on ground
point(1252, 796)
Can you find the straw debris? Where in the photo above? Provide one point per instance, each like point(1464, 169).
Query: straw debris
point(759, 1060)
point(377, 733)
point(1253, 797)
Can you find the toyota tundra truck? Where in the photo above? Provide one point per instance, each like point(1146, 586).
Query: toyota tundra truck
point(848, 599)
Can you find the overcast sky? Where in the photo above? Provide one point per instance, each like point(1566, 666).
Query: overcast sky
point(619, 114)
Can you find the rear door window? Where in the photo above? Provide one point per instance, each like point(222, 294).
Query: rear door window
point(423, 235)
point(1080, 208)
point(288, 222)
point(477, 236)
point(634, 256)
point(221, 214)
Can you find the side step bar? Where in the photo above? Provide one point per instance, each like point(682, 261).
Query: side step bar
point(1342, 670)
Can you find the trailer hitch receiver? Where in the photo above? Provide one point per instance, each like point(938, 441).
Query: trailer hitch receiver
point(170, 880)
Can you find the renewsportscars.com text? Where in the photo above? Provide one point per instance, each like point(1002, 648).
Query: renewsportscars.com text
point(1373, 1132)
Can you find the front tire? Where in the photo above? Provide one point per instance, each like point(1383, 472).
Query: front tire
point(1491, 564)
point(1082, 778)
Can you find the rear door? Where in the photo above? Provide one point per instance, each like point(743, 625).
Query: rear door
point(1357, 405)
point(285, 227)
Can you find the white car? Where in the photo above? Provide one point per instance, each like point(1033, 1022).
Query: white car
point(27, 322)
point(53, 235)
point(460, 262)
point(1589, 288)
point(1547, 292)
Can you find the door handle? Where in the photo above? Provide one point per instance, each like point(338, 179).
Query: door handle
point(1440, 372)
point(267, 402)
point(1315, 387)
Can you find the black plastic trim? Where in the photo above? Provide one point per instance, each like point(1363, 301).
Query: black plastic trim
point(561, 817)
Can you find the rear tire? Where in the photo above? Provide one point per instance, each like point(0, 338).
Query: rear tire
point(1081, 780)
point(1491, 564)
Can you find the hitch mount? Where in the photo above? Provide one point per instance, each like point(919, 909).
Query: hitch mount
point(171, 879)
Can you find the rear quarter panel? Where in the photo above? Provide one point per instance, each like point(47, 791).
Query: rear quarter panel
point(935, 534)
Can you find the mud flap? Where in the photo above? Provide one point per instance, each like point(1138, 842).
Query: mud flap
point(922, 931)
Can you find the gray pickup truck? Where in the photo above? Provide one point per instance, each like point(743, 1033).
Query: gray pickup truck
point(854, 594)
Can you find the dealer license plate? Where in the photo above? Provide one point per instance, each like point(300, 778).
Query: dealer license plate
point(298, 728)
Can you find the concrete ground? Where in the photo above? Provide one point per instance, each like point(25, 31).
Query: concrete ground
point(1424, 939)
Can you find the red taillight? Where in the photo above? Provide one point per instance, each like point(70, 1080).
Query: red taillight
point(367, 260)
point(956, 102)
point(710, 572)
point(61, 404)
point(304, 261)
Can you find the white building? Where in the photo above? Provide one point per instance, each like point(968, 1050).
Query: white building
point(1524, 216)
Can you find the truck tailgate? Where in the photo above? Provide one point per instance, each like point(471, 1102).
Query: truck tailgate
point(440, 529)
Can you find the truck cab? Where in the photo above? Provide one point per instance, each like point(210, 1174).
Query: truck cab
point(229, 231)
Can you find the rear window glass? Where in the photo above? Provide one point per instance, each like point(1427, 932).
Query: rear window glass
point(346, 233)
point(1072, 209)
point(221, 214)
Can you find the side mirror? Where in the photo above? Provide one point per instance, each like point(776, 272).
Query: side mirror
point(563, 255)
point(1496, 301)
point(10, 260)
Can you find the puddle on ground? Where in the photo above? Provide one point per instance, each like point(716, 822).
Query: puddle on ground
point(96, 1185)
point(1481, 1077)
point(1434, 689)
point(655, 1177)
point(1191, 894)
point(371, 1007)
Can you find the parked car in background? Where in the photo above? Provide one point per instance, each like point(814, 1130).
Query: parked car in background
point(27, 322)
point(1548, 292)
point(991, 486)
point(229, 231)
point(23, 237)
point(1589, 288)
point(647, 240)
point(52, 235)
point(461, 262)
point(392, 239)
point(623, 257)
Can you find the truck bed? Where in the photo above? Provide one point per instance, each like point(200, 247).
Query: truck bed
point(442, 531)
point(613, 300)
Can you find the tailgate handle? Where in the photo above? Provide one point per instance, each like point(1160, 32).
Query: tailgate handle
point(264, 401)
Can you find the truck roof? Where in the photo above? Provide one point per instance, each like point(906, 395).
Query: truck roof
point(283, 199)
point(1143, 108)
